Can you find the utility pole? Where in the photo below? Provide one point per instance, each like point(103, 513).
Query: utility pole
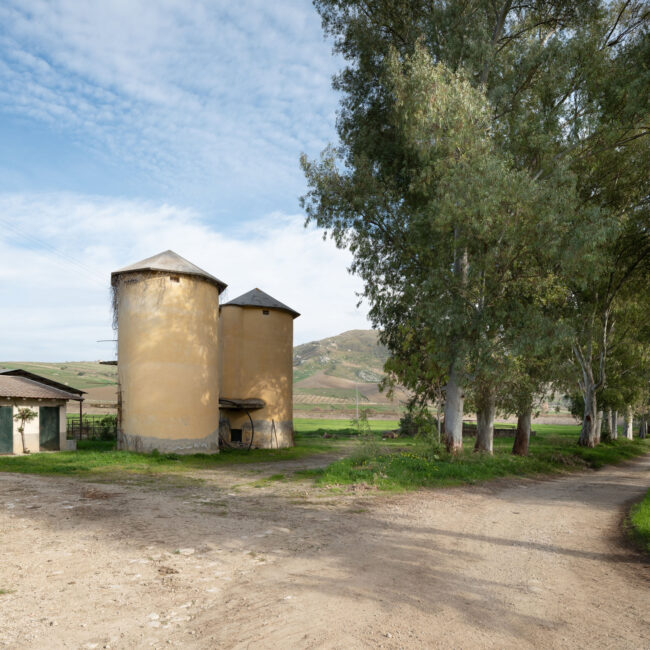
point(356, 390)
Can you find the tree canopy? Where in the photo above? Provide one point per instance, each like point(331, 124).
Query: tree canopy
point(489, 181)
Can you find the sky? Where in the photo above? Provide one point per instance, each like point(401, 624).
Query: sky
point(130, 127)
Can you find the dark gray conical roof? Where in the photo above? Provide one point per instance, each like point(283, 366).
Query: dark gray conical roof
point(257, 298)
point(173, 263)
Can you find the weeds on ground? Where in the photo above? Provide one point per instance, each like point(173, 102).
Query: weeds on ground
point(639, 522)
point(553, 450)
point(368, 444)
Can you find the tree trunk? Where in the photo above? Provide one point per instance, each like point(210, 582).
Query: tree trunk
point(438, 419)
point(21, 429)
point(589, 424)
point(485, 423)
point(599, 426)
point(454, 399)
point(629, 423)
point(522, 436)
point(607, 428)
point(613, 426)
point(643, 428)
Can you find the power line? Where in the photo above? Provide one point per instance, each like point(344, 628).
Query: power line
point(54, 251)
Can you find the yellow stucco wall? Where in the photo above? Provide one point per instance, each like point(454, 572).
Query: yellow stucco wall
point(257, 362)
point(168, 363)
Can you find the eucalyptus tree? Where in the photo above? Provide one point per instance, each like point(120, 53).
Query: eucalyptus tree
point(550, 73)
point(442, 228)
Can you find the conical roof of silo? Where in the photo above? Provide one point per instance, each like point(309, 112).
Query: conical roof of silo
point(168, 261)
point(257, 298)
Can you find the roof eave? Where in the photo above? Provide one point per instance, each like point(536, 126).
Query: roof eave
point(221, 286)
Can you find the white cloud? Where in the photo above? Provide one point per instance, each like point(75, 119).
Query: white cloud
point(208, 100)
point(57, 252)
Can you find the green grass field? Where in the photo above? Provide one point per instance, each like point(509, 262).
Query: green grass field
point(98, 417)
point(399, 464)
point(552, 450)
point(640, 522)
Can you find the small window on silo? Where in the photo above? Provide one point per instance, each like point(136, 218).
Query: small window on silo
point(174, 278)
point(235, 435)
point(265, 312)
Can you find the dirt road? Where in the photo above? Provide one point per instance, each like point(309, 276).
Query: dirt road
point(239, 563)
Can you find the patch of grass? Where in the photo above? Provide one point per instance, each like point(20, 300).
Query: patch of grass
point(4, 592)
point(315, 425)
point(308, 473)
point(98, 458)
point(87, 416)
point(264, 482)
point(95, 445)
point(90, 460)
point(639, 521)
point(554, 449)
point(393, 464)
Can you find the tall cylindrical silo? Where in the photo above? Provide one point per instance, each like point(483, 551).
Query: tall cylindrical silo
point(167, 320)
point(256, 343)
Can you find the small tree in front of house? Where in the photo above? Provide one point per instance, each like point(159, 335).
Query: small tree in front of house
point(24, 415)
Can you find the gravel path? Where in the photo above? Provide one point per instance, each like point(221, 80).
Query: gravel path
point(510, 564)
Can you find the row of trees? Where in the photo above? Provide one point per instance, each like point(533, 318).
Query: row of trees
point(491, 180)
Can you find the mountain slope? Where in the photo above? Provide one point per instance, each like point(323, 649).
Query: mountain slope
point(355, 355)
point(338, 368)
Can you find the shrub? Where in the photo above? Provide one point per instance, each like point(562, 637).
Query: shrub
point(418, 421)
point(108, 427)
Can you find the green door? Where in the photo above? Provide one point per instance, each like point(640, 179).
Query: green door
point(49, 427)
point(6, 430)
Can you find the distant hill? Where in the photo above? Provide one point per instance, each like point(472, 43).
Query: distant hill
point(329, 371)
point(354, 355)
point(334, 369)
point(78, 374)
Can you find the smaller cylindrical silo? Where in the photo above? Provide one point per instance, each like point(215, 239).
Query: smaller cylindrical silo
point(256, 342)
point(167, 320)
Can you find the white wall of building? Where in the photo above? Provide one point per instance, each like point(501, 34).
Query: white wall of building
point(32, 429)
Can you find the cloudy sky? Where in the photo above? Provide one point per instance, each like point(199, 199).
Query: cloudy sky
point(130, 127)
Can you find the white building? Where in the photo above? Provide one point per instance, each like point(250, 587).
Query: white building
point(47, 398)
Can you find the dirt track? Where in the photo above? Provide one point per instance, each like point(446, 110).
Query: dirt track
point(525, 564)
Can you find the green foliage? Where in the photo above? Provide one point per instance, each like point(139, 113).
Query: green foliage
point(640, 522)
point(108, 426)
point(418, 422)
point(98, 458)
point(391, 464)
point(490, 180)
point(552, 450)
point(23, 415)
point(368, 444)
point(442, 225)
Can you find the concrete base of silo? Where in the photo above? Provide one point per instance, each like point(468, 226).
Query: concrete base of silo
point(268, 434)
point(146, 444)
